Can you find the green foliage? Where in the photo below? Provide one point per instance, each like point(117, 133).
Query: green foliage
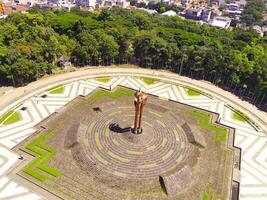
point(9, 117)
point(119, 92)
point(205, 122)
point(240, 116)
point(205, 196)
point(193, 92)
point(253, 12)
point(38, 168)
point(59, 89)
point(163, 7)
point(31, 45)
point(104, 79)
point(149, 80)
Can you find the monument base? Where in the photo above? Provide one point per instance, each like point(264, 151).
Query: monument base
point(137, 131)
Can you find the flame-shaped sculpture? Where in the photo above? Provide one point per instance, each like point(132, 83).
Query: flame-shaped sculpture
point(139, 102)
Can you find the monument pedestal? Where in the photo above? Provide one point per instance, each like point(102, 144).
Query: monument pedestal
point(137, 131)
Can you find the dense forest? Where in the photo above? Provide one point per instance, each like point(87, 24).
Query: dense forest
point(32, 43)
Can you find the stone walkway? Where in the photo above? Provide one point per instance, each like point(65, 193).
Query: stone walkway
point(40, 104)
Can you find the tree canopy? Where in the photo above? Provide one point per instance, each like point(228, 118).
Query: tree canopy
point(253, 12)
point(31, 45)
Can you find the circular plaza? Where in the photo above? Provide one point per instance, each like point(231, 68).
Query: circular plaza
point(78, 131)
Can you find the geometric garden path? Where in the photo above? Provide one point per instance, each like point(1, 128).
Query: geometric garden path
point(251, 139)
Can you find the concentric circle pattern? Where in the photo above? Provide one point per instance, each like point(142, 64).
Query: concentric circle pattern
point(160, 148)
point(92, 161)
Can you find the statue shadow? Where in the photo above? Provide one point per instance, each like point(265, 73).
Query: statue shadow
point(117, 129)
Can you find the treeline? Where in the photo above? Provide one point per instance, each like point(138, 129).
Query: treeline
point(31, 45)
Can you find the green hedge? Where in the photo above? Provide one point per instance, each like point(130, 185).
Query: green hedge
point(43, 155)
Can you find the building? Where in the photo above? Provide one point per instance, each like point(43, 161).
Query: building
point(170, 13)
point(58, 2)
point(194, 14)
point(167, 1)
point(206, 14)
point(259, 30)
point(86, 3)
point(234, 9)
point(185, 3)
point(3, 16)
point(221, 22)
point(219, 3)
point(9, 9)
point(109, 3)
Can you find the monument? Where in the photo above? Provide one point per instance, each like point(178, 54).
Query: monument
point(139, 102)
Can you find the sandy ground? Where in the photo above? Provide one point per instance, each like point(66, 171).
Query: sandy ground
point(4, 90)
point(10, 97)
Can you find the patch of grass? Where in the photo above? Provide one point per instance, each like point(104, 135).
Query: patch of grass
point(10, 117)
point(43, 154)
point(238, 115)
point(149, 80)
point(193, 92)
point(196, 92)
point(119, 92)
point(205, 196)
point(104, 79)
point(59, 89)
point(205, 122)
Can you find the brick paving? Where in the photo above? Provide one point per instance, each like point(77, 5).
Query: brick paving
point(107, 163)
point(253, 142)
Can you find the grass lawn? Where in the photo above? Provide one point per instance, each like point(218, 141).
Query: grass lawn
point(119, 92)
point(149, 80)
point(59, 89)
point(238, 115)
point(205, 122)
point(104, 79)
point(193, 92)
point(205, 196)
point(43, 153)
point(10, 117)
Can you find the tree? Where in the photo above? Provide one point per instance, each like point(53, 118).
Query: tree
point(87, 51)
point(23, 71)
point(253, 11)
point(105, 15)
point(108, 47)
point(31, 44)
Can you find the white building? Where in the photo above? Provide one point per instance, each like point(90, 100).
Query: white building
point(170, 13)
point(221, 22)
point(86, 3)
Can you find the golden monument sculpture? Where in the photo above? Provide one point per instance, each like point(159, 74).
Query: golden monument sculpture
point(139, 102)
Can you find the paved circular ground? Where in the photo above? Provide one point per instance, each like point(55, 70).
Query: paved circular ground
point(244, 134)
point(110, 143)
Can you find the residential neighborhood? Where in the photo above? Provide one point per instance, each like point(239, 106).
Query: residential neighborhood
point(218, 13)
